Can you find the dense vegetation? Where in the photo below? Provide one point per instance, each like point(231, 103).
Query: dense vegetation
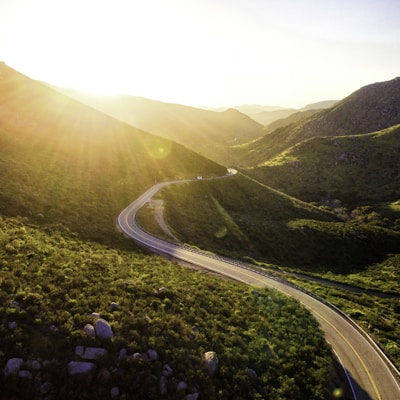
point(287, 234)
point(272, 227)
point(51, 282)
point(66, 171)
point(379, 315)
point(355, 169)
point(369, 109)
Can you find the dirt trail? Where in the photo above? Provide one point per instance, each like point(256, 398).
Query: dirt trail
point(158, 208)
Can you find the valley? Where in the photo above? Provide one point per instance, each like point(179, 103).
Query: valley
point(374, 375)
point(316, 195)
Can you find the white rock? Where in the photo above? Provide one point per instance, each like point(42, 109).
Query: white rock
point(211, 359)
point(89, 330)
point(114, 305)
point(103, 329)
point(13, 366)
point(135, 356)
point(80, 367)
point(92, 353)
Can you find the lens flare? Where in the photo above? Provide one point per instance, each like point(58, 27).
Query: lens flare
point(337, 393)
point(158, 148)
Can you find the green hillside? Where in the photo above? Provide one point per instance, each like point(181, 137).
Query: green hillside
point(66, 171)
point(207, 132)
point(351, 170)
point(63, 161)
point(249, 221)
point(369, 109)
point(239, 217)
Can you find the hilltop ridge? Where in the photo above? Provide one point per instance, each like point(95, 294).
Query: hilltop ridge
point(369, 109)
point(204, 131)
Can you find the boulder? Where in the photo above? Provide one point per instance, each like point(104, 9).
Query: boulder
point(114, 392)
point(93, 353)
point(103, 329)
point(167, 370)
point(181, 386)
point(36, 365)
point(12, 325)
point(135, 356)
point(33, 365)
point(251, 373)
point(25, 374)
point(211, 359)
point(80, 367)
point(152, 354)
point(192, 396)
point(89, 330)
point(122, 354)
point(13, 366)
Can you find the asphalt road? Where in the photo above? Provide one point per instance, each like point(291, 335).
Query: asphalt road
point(370, 375)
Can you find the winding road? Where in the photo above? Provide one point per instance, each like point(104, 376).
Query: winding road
point(370, 374)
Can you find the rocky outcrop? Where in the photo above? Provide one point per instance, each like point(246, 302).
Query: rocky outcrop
point(13, 366)
point(86, 361)
point(103, 329)
point(89, 330)
point(80, 367)
point(93, 353)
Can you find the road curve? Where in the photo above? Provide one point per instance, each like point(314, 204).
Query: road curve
point(370, 374)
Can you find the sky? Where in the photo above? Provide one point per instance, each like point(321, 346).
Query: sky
point(212, 53)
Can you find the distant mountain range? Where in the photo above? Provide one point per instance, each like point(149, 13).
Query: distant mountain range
point(283, 154)
point(207, 132)
point(350, 151)
point(266, 115)
point(369, 109)
point(61, 160)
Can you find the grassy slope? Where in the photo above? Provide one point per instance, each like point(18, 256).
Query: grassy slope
point(240, 217)
point(356, 169)
point(62, 161)
point(51, 282)
point(67, 171)
point(204, 131)
point(371, 108)
point(237, 217)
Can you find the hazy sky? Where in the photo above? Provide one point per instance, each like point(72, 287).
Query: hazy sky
point(205, 52)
